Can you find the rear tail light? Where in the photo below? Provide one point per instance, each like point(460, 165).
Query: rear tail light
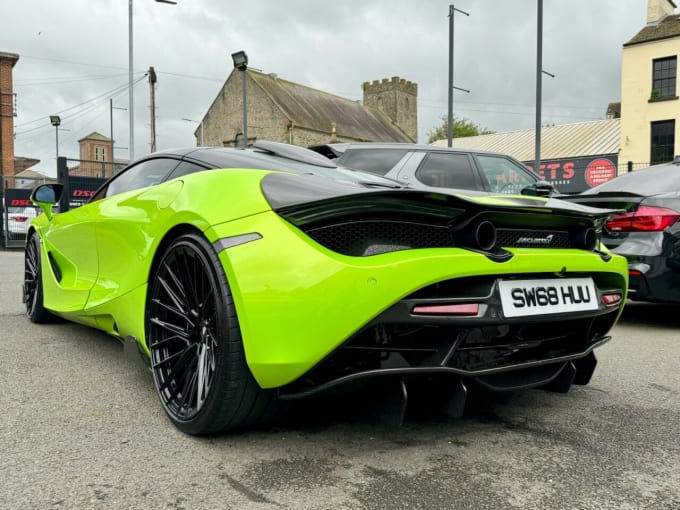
point(461, 309)
point(645, 219)
point(612, 298)
point(20, 219)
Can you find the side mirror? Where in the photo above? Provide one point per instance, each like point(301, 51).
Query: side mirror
point(45, 196)
point(540, 189)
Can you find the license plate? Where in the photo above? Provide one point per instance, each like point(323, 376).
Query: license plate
point(539, 297)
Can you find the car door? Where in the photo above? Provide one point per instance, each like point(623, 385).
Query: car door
point(123, 223)
point(69, 241)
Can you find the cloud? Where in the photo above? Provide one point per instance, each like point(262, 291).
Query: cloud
point(76, 51)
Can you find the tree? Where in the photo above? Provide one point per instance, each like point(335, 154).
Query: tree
point(461, 128)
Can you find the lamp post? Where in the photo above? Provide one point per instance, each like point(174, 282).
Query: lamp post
point(55, 120)
point(452, 11)
point(197, 122)
point(241, 63)
point(130, 84)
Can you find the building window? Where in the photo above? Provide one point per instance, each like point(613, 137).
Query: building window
point(663, 77)
point(99, 153)
point(663, 142)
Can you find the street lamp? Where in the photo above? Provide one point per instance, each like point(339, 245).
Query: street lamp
point(197, 122)
point(55, 120)
point(452, 87)
point(130, 92)
point(241, 63)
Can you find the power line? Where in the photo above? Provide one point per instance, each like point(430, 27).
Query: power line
point(62, 80)
point(104, 95)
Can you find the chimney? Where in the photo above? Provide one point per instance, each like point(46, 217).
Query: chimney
point(7, 61)
point(658, 10)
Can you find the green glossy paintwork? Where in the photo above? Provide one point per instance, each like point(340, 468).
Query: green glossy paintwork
point(296, 301)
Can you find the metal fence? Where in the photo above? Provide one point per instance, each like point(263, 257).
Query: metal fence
point(81, 178)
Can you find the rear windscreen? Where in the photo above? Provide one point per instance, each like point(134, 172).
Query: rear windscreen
point(650, 181)
point(375, 161)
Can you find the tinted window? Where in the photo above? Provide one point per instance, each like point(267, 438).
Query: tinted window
point(443, 170)
point(504, 175)
point(143, 174)
point(376, 161)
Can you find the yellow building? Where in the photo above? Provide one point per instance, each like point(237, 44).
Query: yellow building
point(650, 107)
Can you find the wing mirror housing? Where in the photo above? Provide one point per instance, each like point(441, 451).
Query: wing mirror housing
point(45, 196)
point(540, 189)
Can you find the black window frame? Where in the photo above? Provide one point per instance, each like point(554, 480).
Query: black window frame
point(664, 77)
point(660, 152)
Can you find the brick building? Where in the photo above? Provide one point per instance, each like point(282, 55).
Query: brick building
point(95, 157)
point(284, 111)
point(7, 62)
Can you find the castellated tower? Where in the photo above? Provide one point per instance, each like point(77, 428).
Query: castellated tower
point(396, 98)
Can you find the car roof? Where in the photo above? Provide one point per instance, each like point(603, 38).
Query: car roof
point(337, 149)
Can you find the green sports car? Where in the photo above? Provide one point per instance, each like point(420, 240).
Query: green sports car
point(247, 276)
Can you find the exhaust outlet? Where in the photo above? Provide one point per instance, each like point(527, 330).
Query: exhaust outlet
point(585, 239)
point(481, 236)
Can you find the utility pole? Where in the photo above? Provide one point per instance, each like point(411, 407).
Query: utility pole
point(452, 11)
point(539, 82)
point(113, 165)
point(152, 88)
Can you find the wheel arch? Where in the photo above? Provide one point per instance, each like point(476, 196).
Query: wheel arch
point(169, 237)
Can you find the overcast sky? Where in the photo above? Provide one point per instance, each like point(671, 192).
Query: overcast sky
point(74, 57)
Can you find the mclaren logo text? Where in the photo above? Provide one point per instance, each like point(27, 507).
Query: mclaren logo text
point(538, 241)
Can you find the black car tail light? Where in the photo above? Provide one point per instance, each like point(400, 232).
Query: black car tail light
point(645, 219)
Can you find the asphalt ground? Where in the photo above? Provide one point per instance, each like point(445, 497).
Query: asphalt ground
point(81, 427)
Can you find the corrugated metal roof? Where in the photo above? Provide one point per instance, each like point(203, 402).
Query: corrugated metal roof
point(564, 141)
point(317, 110)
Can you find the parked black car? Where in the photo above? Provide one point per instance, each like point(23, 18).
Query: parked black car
point(429, 167)
point(648, 232)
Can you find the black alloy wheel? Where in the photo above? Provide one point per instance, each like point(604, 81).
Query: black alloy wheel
point(33, 286)
point(197, 355)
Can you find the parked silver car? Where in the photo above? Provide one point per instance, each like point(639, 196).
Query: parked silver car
point(429, 167)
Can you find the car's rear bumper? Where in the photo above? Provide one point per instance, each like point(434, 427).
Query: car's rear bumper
point(654, 279)
point(299, 304)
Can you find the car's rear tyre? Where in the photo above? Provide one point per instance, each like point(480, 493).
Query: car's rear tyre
point(197, 356)
point(33, 286)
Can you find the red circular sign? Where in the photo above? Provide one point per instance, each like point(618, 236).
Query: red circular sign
point(599, 171)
